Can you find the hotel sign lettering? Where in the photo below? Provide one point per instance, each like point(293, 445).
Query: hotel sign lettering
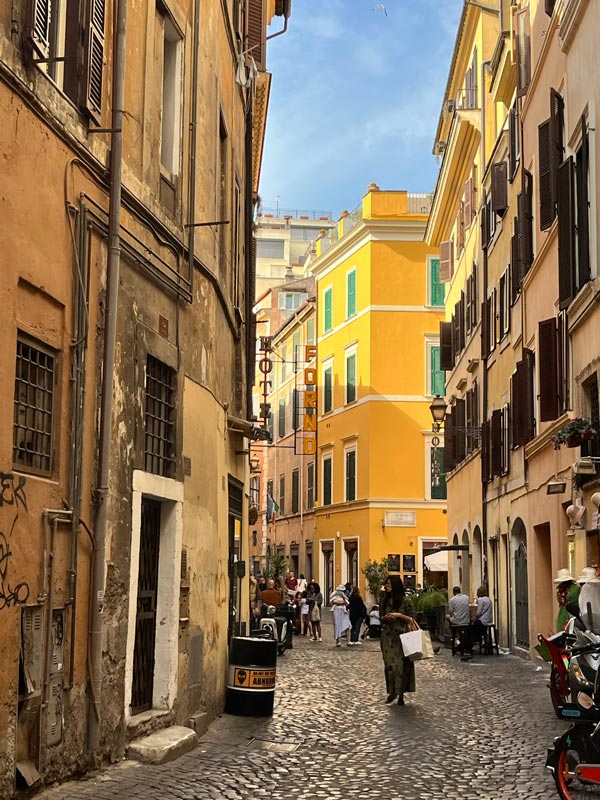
point(309, 415)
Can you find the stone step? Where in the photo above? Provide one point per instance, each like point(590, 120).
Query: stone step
point(164, 745)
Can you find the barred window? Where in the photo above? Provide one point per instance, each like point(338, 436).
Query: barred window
point(33, 408)
point(160, 418)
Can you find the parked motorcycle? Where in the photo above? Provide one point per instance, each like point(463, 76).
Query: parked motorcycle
point(552, 649)
point(275, 624)
point(574, 758)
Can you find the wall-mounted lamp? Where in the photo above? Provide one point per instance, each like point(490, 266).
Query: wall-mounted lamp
point(254, 463)
point(383, 525)
point(556, 487)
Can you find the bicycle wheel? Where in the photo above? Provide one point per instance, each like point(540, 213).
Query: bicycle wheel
point(575, 749)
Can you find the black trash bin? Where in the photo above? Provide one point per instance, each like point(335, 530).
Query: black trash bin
point(251, 678)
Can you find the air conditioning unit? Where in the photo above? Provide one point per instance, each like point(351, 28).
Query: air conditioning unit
point(450, 106)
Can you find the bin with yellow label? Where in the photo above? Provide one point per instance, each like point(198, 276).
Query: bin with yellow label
point(251, 677)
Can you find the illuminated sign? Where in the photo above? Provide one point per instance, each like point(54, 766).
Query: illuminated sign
point(265, 366)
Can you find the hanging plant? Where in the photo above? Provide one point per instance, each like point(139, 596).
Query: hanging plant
point(574, 433)
point(252, 515)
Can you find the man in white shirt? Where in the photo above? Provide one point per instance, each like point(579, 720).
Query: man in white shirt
point(460, 615)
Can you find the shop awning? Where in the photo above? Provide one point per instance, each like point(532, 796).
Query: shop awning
point(437, 562)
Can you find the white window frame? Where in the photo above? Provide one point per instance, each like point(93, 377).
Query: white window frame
point(428, 460)
point(429, 302)
point(328, 364)
point(324, 456)
point(171, 99)
point(325, 290)
point(348, 314)
point(351, 350)
point(430, 342)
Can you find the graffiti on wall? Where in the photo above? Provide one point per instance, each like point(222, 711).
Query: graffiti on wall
point(14, 498)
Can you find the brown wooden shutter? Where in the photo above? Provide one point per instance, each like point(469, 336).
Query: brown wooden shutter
point(514, 403)
point(515, 272)
point(468, 206)
point(449, 441)
point(446, 261)
point(546, 175)
point(485, 335)
point(462, 325)
point(459, 435)
point(505, 440)
point(523, 50)
point(499, 188)
point(548, 368)
point(527, 253)
point(474, 296)
point(256, 31)
point(557, 114)
point(529, 397)
point(460, 230)
point(484, 224)
point(94, 64)
point(446, 355)
point(513, 133)
point(468, 305)
point(496, 454)
point(38, 26)
point(485, 452)
point(566, 234)
point(583, 229)
point(564, 394)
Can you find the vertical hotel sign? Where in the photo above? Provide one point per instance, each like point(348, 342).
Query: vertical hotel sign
point(305, 441)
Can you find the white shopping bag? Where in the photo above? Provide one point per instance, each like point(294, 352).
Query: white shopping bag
point(416, 645)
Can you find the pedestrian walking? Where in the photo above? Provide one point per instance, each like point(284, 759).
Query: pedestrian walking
point(396, 613)
point(358, 611)
point(305, 615)
point(315, 601)
point(341, 617)
point(302, 583)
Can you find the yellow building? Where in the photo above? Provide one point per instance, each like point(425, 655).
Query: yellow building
point(379, 307)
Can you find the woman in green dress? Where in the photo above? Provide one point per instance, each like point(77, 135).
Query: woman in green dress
point(396, 612)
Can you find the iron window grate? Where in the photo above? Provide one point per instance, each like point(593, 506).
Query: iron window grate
point(33, 408)
point(159, 443)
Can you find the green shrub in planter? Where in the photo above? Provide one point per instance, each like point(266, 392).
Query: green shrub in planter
point(428, 600)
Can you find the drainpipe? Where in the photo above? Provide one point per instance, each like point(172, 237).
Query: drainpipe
point(110, 336)
point(192, 164)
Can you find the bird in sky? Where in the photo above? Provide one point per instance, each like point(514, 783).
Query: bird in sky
point(380, 5)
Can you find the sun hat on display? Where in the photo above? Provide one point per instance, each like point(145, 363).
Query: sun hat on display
point(588, 575)
point(563, 575)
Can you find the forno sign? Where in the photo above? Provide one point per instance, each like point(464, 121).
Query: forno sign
point(400, 519)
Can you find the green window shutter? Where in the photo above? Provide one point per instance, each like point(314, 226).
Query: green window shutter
point(438, 376)
point(283, 362)
point(295, 490)
point(351, 294)
point(437, 289)
point(438, 482)
point(282, 418)
point(326, 481)
point(296, 354)
point(310, 331)
point(328, 389)
point(351, 475)
point(282, 494)
point(351, 378)
point(327, 322)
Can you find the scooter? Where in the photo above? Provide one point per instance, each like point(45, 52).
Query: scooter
point(276, 626)
point(574, 758)
point(552, 649)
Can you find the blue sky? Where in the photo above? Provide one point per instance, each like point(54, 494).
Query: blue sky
point(355, 98)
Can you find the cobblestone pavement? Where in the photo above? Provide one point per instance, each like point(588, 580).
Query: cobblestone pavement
point(474, 730)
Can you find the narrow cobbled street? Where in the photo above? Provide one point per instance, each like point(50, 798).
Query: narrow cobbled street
point(474, 730)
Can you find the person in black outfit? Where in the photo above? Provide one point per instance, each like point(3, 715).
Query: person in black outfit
point(358, 611)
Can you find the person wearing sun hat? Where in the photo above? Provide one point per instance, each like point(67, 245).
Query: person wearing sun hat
point(567, 591)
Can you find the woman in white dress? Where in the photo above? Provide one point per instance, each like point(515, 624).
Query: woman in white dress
point(341, 618)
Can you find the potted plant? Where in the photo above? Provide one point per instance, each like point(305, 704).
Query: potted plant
point(574, 432)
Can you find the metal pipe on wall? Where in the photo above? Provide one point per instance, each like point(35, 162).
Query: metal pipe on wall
point(110, 336)
point(192, 162)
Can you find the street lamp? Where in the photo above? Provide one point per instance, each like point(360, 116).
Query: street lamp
point(438, 412)
point(254, 463)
